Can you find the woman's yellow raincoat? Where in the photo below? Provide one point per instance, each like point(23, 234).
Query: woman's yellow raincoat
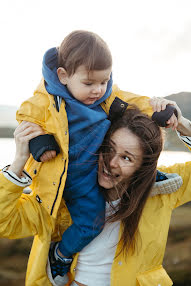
point(44, 215)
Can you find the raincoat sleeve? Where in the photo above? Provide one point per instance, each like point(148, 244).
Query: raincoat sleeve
point(185, 139)
point(36, 110)
point(20, 214)
point(183, 194)
point(142, 102)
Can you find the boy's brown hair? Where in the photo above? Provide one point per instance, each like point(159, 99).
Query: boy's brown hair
point(84, 48)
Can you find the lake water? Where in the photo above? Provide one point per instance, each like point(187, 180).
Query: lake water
point(7, 151)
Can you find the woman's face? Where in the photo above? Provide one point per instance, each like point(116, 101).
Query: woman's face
point(126, 157)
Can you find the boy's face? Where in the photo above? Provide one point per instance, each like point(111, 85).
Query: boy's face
point(87, 87)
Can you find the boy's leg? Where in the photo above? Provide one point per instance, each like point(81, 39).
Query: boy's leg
point(57, 268)
point(88, 214)
point(160, 176)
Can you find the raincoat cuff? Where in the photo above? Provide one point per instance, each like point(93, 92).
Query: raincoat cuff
point(41, 144)
point(184, 139)
point(24, 181)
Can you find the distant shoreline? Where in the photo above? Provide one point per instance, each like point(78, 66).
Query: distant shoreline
point(7, 132)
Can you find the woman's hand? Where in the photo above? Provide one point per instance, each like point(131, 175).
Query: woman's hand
point(160, 103)
point(23, 134)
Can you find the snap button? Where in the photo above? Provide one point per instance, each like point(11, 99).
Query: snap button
point(35, 171)
point(65, 132)
point(122, 105)
point(54, 105)
point(38, 199)
point(120, 263)
point(74, 269)
point(54, 183)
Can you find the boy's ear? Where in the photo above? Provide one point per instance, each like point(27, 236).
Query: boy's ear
point(62, 75)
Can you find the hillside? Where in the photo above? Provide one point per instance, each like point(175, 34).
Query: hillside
point(8, 122)
point(183, 99)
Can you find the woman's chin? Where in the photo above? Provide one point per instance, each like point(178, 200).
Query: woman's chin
point(105, 182)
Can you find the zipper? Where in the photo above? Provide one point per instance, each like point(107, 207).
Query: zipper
point(58, 188)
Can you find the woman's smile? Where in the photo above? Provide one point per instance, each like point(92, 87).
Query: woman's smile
point(125, 158)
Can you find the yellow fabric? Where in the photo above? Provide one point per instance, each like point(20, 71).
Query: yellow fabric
point(22, 215)
point(142, 102)
point(157, 274)
point(144, 267)
point(41, 109)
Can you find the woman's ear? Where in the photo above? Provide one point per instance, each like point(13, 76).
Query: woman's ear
point(62, 75)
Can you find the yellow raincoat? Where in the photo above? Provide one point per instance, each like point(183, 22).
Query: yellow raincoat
point(22, 216)
point(43, 213)
point(144, 268)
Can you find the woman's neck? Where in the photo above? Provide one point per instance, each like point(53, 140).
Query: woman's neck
point(115, 193)
point(112, 195)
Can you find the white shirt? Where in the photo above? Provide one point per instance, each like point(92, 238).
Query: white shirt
point(95, 260)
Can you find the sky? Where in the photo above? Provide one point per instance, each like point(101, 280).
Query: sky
point(150, 42)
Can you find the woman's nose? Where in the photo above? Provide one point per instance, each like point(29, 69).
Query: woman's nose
point(114, 163)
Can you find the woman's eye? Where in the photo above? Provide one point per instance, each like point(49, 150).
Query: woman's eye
point(126, 158)
point(111, 149)
point(103, 83)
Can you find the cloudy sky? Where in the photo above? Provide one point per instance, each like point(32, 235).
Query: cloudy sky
point(150, 42)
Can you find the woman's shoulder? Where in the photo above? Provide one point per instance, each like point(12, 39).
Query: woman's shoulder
point(168, 186)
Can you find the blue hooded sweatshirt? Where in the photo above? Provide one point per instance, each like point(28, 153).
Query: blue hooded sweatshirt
point(88, 125)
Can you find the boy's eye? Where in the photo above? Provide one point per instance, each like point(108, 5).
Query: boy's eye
point(88, 83)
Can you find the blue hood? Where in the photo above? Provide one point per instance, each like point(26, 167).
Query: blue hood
point(55, 87)
point(82, 118)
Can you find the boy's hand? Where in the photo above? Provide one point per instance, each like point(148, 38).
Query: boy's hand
point(48, 155)
point(33, 129)
point(159, 103)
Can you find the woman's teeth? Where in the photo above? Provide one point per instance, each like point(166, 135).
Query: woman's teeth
point(109, 174)
point(106, 172)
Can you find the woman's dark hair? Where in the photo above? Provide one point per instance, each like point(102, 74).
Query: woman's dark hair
point(84, 48)
point(136, 191)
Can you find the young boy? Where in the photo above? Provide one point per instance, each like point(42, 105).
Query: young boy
point(76, 94)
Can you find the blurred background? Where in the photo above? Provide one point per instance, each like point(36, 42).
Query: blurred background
point(151, 47)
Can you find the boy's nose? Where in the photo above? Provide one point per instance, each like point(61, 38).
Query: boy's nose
point(97, 89)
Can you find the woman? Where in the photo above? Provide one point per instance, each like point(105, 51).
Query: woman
point(131, 252)
point(22, 215)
